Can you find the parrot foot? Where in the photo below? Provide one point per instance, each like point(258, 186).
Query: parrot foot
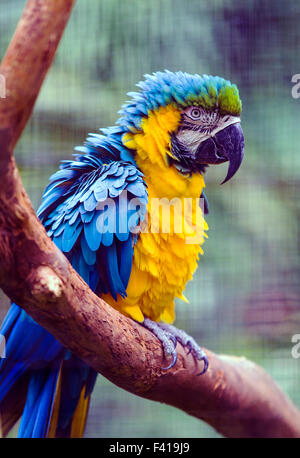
point(167, 340)
point(169, 335)
point(187, 341)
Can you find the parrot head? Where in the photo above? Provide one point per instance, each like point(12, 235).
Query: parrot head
point(193, 120)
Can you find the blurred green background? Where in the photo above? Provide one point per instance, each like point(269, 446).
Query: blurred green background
point(244, 299)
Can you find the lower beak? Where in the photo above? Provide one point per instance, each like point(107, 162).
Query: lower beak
point(225, 145)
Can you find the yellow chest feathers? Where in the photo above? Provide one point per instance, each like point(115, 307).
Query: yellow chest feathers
point(169, 244)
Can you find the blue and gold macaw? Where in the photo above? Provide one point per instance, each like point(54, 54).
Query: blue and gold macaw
point(96, 209)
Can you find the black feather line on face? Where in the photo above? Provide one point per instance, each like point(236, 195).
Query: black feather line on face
point(188, 124)
point(197, 128)
point(184, 157)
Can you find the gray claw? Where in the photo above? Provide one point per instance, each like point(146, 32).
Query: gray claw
point(168, 335)
point(189, 347)
point(167, 340)
point(174, 360)
point(206, 363)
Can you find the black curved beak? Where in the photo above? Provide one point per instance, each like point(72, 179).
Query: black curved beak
point(226, 145)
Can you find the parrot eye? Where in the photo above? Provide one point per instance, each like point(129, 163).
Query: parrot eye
point(203, 117)
point(195, 113)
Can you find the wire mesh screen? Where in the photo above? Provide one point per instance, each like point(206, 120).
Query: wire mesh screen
point(245, 297)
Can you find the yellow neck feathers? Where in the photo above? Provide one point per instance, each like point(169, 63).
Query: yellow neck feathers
point(165, 258)
point(152, 146)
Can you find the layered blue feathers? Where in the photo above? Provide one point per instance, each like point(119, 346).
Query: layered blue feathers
point(89, 212)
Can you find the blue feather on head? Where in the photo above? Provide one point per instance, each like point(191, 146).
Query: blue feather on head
point(180, 89)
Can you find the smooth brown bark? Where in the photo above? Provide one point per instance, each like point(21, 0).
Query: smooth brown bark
point(235, 396)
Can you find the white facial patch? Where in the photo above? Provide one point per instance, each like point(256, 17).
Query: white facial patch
point(190, 139)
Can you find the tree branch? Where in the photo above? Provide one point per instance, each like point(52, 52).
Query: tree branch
point(235, 396)
point(28, 59)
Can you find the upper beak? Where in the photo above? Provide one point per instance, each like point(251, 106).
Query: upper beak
point(226, 145)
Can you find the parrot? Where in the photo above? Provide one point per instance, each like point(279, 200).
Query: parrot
point(104, 210)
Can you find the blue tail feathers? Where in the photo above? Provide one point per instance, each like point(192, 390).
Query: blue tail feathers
point(32, 352)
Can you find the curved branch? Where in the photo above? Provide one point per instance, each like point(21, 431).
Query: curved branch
point(235, 396)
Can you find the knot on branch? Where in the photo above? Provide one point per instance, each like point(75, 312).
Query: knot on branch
point(46, 285)
point(20, 214)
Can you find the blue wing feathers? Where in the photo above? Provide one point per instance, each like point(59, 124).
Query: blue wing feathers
point(88, 218)
point(95, 234)
point(125, 260)
point(112, 268)
point(88, 254)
